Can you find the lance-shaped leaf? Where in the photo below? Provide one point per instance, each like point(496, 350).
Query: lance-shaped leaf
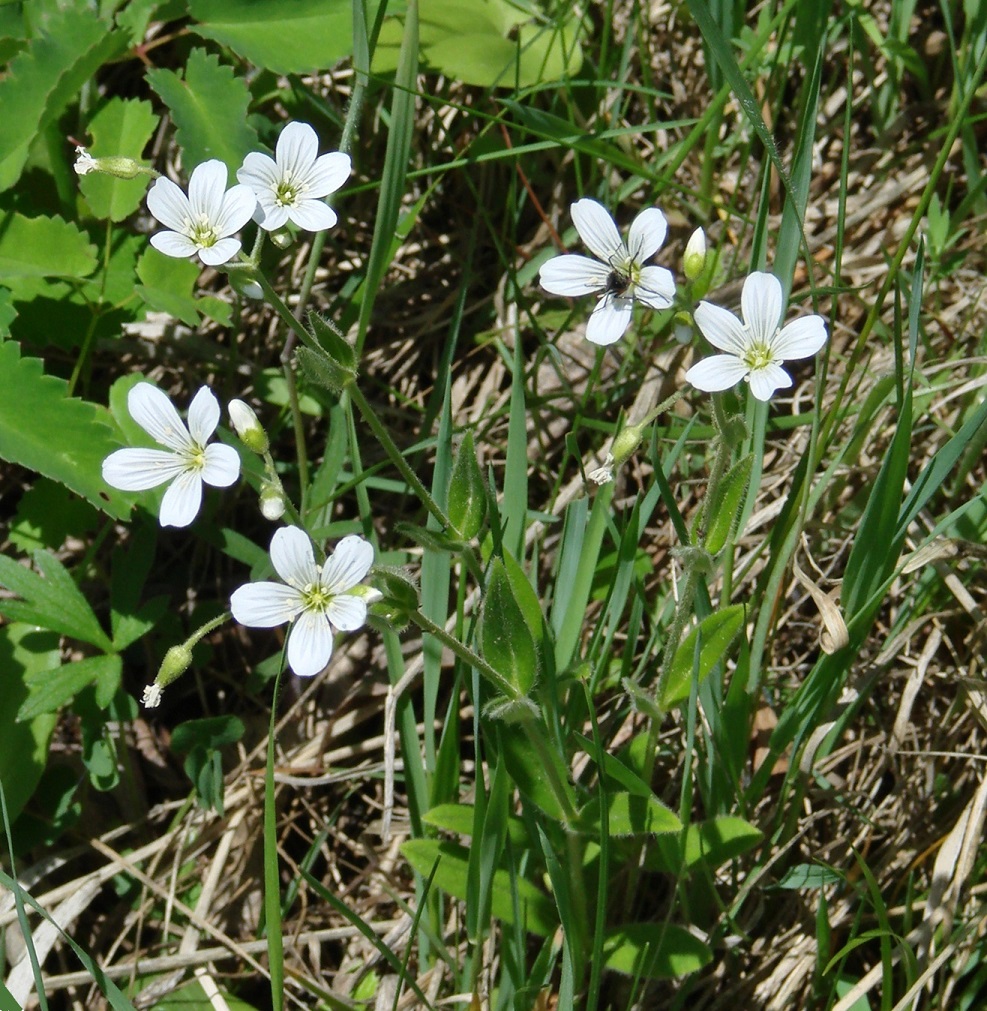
point(506, 639)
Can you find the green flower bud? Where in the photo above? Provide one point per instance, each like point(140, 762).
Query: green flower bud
point(272, 503)
point(694, 260)
point(246, 425)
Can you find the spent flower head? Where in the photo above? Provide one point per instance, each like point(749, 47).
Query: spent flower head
point(756, 346)
point(185, 463)
point(202, 222)
point(290, 186)
point(317, 599)
point(618, 275)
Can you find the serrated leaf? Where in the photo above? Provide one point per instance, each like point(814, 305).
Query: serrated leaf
point(43, 247)
point(51, 599)
point(23, 746)
point(121, 128)
point(716, 633)
point(730, 502)
point(452, 876)
point(628, 814)
point(286, 38)
point(654, 951)
point(71, 44)
point(168, 284)
point(52, 689)
point(209, 109)
point(61, 437)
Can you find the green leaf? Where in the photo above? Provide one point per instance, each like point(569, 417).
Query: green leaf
point(710, 843)
point(121, 129)
point(458, 819)
point(168, 284)
point(287, 38)
point(452, 874)
point(61, 437)
point(467, 490)
point(51, 600)
point(192, 997)
point(43, 247)
point(72, 43)
point(209, 109)
point(23, 745)
point(211, 732)
point(528, 770)
point(52, 689)
point(47, 513)
point(716, 632)
point(726, 512)
point(505, 637)
point(654, 951)
point(628, 814)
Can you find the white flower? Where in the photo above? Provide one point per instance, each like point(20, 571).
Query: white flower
point(621, 276)
point(187, 461)
point(151, 698)
point(756, 347)
point(202, 221)
point(292, 183)
point(84, 162)
point(694, 258)
point(316, 599)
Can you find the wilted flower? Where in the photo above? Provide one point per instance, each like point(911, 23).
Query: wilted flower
point(317, 599)
point(755, 347)
point(619, 272)
point(202, 222)
point(187, 461)
point(291, 185)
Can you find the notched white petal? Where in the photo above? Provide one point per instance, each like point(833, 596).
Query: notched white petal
point(764, 382)
point(348, 564)
point(203, 415)
point(597, 229)
point(721, 328)
point(801, 338)
point(156, 414)
point(293, 557)
point(167, 203)
point(647, 233)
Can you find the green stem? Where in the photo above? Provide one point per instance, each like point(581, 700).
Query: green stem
point(272, 877)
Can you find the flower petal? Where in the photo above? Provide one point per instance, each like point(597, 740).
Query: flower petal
point(609, 320)
point(237, 208)
point(347, 565)
point(801, 338)
point(293, 557)
point(272, 214)
point(597, 229)
point(206, 187)
point(259, 172)
point(221, 467)
point(309, 644)
point(719, 372)
point(220, 252)
point(721, 328)
point(655, 288)
point(312, 215)
point(167, 202)
point(347, 612)
point(573, 275)
point(328, 173)
point(203, 415)
point(265, 604)
point(156, 414)
point(765, 381)
point(174, 244)
point(140, 469)
point(648, 231)
point(761, 305)
point(296, 151)
point(181, 501)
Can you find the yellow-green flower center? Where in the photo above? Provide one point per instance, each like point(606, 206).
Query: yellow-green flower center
point(758, 356)
point(202, 232)
point(286, 195)
point(316, 598)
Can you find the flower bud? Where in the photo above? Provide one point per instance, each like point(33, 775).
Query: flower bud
point(115, 165)
point(627, 440)
point(272, 504)
point(247, 427)
point(694, 260)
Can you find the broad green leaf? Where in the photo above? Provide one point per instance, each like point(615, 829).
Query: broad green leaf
point(654, 951)
point(61, 437)
point(730, 502)
point(23, 745)
point(529, 773)
point(209, 109)
point(51, 599)
point(628, 814)
point(808, 876)
point(52, 689)
point(504, 634)
point(288, 38)
point(210, 732)
point(115, 279)
point(47, 513)
point(43, 247)
point(458, 819)
point(467, 490)
point(710, 842)
point(71, 44)
point(537, 910)
point(716, 632)
point(167, 285)
point(121, 128)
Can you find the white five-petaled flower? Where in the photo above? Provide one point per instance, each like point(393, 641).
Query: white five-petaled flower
point(202, 222)
point(621, 278)
point(756, 347)
point(291, 185)
point(317, 599)
point(186, 462)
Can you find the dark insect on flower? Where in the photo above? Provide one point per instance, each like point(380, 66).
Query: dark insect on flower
point(617, 283)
